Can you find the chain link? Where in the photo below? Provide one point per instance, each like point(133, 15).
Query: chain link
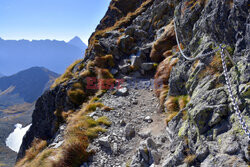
point(229, 86)
point(235, 104)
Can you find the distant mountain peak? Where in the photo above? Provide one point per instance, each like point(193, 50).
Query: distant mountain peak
point(76, 41)
point(76, 38)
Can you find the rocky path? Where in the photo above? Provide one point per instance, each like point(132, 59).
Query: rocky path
point(137, 125)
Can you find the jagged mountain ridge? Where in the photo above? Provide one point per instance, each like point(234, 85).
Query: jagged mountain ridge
point(201, 128)
point(23, 54)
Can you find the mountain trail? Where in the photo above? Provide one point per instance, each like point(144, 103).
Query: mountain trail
point(135, 118)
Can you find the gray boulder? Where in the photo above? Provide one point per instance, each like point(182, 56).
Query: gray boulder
point(129, 131)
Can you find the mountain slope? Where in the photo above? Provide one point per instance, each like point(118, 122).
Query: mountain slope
point(17, 96)
point(1, 75)
point(19, 55)
point(76, 41)
point(25, 86)
point(187, 120)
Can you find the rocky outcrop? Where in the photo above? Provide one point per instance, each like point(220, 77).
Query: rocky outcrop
point(201, 128)
point(44, 121)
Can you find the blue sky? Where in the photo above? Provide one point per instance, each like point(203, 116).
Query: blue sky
point(50, 19)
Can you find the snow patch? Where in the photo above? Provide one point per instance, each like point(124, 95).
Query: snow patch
point(15, 138)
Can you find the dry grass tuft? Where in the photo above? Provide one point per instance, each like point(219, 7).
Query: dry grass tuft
point(213, 68)
point(170, 115)
point(106, 108)
point(92, 107)
point(192, 4)
point(67, 75)
point(162, 47)
point(73, 154)
point(104, 61)
point(174, 105)
point(77, 96)
point(163, 73)
point(103, 121)
point(94, 99)
point(189, 159)
point(36, 147)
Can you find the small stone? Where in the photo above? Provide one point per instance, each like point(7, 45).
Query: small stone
point(92, 114)
point(135, 102)
point(147, 66)
point(135, 61)
point(122, 91)
point(130, 31)
point(122, 123)
point(232, 148)
point(115, 148)
point(148, 119)
point(56, 145)
point(114, 71)
point(129, 131)
point(151, 144)
point(125, 68)
point(144, 135)
point(202, 152)
point(104, 141)
point(156, 156)
point(163, 139)
point(143, 153)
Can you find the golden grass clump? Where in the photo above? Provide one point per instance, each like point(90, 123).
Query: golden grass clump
point(65, 115)
point(170, 115)
point(163, 94)
point(92, 107)
point(94, 99)
point(103, 120)
point(40, 160)
point(189, 159)
point(162, 47)
point(106, 108)
point(192, 3)
point(36, 147)
point(182, 101)
point(93, 132)
point(73, 153)
point(67, 75)
point(80, 131)
point(163, 73)
point(174, 104)
point(104, 61)
point(77, 96)
point(213, 68)
point(103, 74)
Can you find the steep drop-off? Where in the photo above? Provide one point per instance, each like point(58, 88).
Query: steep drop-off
point(192, 123)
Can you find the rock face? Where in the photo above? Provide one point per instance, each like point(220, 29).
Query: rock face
point(201, 128)
point(43, 116)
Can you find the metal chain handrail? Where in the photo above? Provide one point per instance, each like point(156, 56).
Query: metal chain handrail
point(191, 58)
point(229, 86)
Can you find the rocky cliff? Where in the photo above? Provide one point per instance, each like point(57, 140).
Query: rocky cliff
point(184, 117)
